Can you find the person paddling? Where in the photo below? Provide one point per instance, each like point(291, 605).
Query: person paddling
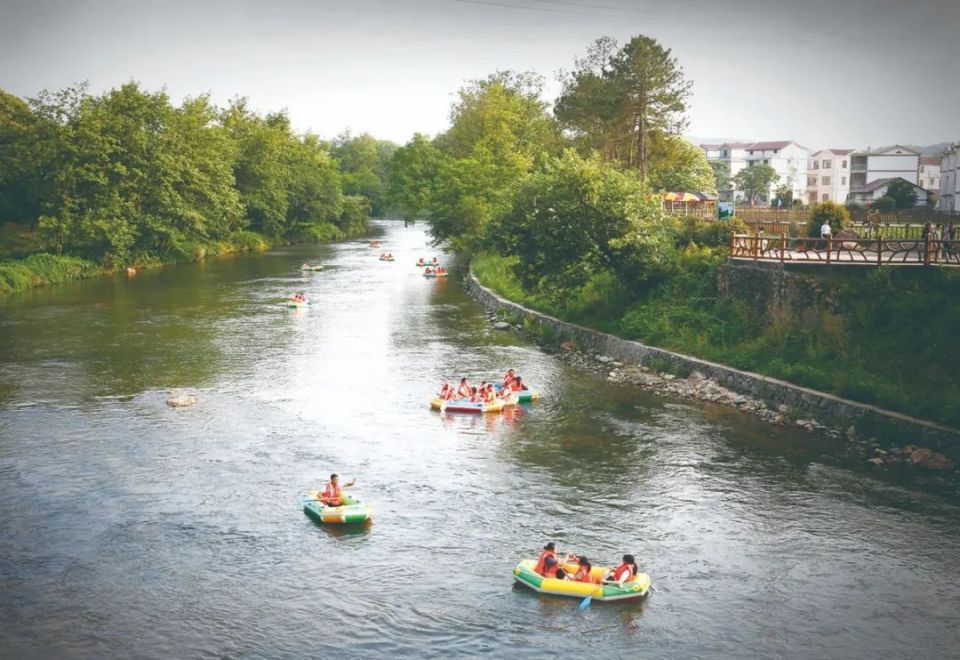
point(583, 571)
point(464, 390)
point(332, 494)
point(622, 573)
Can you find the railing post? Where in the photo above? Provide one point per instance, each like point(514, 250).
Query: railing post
point(733, 242)
point(829, 246)
point(756, 247)
point(783, 246)
point(879, 247)
point(926, 251)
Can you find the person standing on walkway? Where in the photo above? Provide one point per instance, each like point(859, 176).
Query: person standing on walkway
point(825, 230)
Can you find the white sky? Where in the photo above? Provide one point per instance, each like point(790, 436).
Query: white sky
point(827, 73)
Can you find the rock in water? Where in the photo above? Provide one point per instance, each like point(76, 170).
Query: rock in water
point(178, 400)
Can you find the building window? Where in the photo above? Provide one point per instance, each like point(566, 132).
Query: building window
point(825, 181)
point(765, 161)
point(844, 165)
point(811, 180)
point(816, 164)
point(776, 151)
point(826, 164)
point(843, 181)
point(724, 153)
point(825, 197)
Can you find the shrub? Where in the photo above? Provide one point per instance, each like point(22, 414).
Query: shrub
point(885, 204)
point(834, 214)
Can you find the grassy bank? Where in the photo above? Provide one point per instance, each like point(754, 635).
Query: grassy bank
point(42, 269)
point(892, 341)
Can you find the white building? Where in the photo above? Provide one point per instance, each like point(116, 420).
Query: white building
point(929, 176)
point(734, 154)
point(828, 176)
point(787, 158)
point(871, 192)
point(950, 180)
point(869, 166)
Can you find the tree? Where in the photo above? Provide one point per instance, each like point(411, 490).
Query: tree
point(885, 204)
point(903, 193)
point(755, 181)
point(500, 130)
point(834, 214)
point(678, 165)
point(364, 162)
point(413, 172)
point(721, 176)
point(783, 196)
point(580, 216)
point(624, 99)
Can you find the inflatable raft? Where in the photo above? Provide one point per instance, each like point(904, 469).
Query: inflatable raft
point(388, 258)
point(350, 512)
point(632, 589)
point(297, 305)
point(467, 406)
point(422, 263)
point(523, 396)
point(311, 268)
point(434, 274)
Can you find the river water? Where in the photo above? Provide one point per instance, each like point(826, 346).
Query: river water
point(130, 529)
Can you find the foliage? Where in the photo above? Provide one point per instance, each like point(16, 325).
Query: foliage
point(679, 166)
point(832, 213)
point(756, 180)
point(885, 204)
point(783, 197)
point(40, 269)
point(709, 233)
point(578, 217)
point(619, 101)
point(721, 175)
point(413, 172)
point(903, 193)
point(364, 162)
point(127, 178)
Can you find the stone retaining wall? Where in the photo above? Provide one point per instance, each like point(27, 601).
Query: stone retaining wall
point(826, 408)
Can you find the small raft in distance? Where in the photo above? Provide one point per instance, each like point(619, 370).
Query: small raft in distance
point(352, 510)
point(635, 588)
point(311, 267)
point(467, 406)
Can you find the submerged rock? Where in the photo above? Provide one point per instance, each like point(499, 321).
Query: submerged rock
point(180, 400)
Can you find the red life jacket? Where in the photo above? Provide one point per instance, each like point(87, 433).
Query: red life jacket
point(464, 390)
point(539, 568)
point(620, 570)
point(331, 494)
point(515, 386)
point(583, 574)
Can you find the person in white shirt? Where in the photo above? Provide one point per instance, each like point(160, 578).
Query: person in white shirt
point(825, 230)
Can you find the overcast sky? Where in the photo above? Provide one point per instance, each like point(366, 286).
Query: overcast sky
point(827, 73)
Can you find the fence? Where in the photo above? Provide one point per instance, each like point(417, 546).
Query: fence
point(866, 251)
point(918, 217)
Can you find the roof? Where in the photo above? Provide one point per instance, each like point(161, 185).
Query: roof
point(879, 183)
point(836, 152)
point(711, 147)
point(887, 150)
point(735, 145)
point(929, 160)
point(763, 146)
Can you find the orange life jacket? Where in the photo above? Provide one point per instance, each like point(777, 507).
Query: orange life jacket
point(539, 568)
point(331, 494)
point(620, 570)
point(583, 574)
point(515, 386)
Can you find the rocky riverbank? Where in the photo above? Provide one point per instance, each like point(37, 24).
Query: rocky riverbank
point(881, 454)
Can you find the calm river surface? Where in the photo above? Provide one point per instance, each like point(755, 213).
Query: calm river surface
point(130, 529)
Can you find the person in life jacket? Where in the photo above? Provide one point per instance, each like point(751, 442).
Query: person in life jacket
point(516, 385)
point(508, 377)
point(624, 572)
point(474, 395)
point(583, 571)
point(444, 390)
point(332, 493)
point(490, 395)
point(464, 390)
point(427, 270)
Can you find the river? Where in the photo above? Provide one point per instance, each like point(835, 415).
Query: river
point(131, 529)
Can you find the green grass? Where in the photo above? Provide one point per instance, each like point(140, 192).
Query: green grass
point(892, 341)
point(43, 269)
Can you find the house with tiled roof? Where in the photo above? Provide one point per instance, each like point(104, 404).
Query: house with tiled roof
point(950, 180)
point(828, 176)
point(869, 193)
point(896, 161)
point(787, 158)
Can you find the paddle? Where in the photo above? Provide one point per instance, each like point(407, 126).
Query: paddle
point(586, 602)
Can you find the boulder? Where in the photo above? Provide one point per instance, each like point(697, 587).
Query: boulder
point(876, 460)
point(920, 455)
point(569, 346)
point(180, 400)
point(937, 461)
point(501, 325)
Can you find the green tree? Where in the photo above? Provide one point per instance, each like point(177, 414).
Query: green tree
point(28, 160)
point(314, 193)
point(783, 197)
point(624, 99)
point(903, 193)
point(500, 130)
point(578, 217)
point(755, 181)
point(832, 213)
point(364, 163)
point(885, 204)
point(721, 176)
point(678, 165)
point(413, 171)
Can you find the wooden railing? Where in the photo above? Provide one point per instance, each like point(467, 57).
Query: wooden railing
point(865, 251)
